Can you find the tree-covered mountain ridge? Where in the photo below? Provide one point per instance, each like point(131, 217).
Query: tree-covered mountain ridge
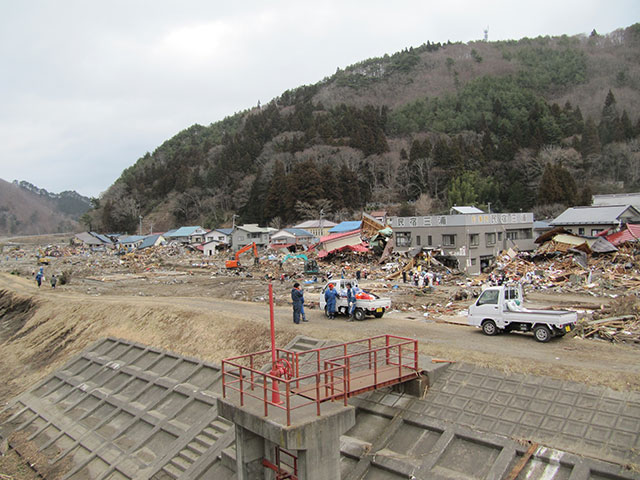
point(28, 210)
point(533, 124)
point(68, 202)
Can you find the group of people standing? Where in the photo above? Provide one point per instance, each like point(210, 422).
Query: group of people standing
point(40, 278)
point(421, 278)
point(331, 296)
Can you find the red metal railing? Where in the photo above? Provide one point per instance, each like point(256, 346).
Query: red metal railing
point(249, 382)
point(320, 375)
point(285, 468)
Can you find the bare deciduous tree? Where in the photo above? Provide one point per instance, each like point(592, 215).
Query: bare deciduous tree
point(314, 210)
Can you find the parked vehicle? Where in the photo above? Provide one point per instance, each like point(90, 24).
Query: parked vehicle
point(366, 303)
point(500, 309)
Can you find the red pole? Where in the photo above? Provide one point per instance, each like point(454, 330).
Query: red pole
point(273, 328)
point(275, 393)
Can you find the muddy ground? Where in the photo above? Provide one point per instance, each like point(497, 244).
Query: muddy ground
point(204, 312)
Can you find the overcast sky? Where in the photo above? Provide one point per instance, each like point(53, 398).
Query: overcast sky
point(87, 87)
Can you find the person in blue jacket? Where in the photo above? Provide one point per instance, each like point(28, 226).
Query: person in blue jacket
point(298, 300)
point(351, 301)
point(39, 277)
point(330, 296)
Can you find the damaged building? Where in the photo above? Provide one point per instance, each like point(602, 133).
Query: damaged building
point(469, 235)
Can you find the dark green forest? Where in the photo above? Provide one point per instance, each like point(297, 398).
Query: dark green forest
point(535, 124)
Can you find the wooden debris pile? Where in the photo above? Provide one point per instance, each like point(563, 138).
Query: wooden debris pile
point(622, 329)
point(569, 269)
point(618, 322)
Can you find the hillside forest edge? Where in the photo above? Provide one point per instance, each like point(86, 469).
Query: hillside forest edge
point(528, 125)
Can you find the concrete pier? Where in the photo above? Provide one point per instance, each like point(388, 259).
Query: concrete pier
point(314, 440)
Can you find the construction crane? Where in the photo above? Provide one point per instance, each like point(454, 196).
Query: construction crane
point(235, 262)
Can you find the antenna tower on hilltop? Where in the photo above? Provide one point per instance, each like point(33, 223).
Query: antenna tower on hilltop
point(486, 33)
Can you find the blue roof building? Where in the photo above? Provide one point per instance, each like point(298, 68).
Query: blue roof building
point(194, 234)
point(348, 226)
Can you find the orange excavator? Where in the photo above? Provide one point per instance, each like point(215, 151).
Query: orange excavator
point(235, 262)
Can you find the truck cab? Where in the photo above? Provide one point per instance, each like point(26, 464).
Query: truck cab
point(501, 309)
point(489, 302)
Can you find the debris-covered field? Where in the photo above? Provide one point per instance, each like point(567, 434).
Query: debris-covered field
point(170, 296)
point(603, 288)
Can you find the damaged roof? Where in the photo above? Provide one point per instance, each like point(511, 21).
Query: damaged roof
point(184, 231)
point(253, 228)
point(629, 234)
point(348, 226)
point(315, 224)
point(598, 215)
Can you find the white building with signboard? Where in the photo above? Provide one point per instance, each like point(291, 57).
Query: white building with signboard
point(474, 239)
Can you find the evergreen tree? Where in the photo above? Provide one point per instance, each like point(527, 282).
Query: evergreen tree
point(349, 188)
point(519, 197)
point(556, 186)
point(309, 180)
point(253, 210)
point(274, 202)
point(488, 148)
point(107, 213)
point(462, 190)
point(442, 153)
point(590, 143)
point(549, 190)
point(609, 128)
point(330, 185)
point(585, 196)
point(626, 126)
point(578, 121)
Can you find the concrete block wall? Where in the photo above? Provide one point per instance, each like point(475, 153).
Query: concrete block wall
point(122, 410)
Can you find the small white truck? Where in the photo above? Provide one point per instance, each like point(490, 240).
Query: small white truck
point(375, 305)
point(499, 309)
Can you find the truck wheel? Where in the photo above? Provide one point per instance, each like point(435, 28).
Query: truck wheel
point(489, 327)
point(542, 333)
point(359, 314)
point(378, 314)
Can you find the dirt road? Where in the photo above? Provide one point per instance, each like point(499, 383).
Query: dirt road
point(64, 321)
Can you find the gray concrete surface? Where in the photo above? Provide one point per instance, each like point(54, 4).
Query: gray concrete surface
point(124, 411)
point(127, 411)
point(598, 421)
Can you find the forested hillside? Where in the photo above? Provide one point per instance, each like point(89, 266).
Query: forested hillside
point(535, 124)
point(28, 210)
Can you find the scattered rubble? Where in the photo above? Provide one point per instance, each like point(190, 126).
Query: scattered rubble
point(418, 281)
point(624, 329)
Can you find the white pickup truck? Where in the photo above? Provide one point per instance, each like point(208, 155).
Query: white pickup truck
point(374, 305)
point(499, 309)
